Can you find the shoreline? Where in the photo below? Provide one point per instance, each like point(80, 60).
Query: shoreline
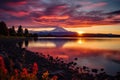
point(31, 57)
point(23, 58)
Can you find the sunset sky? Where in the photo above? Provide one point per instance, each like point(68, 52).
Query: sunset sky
point(90, 16)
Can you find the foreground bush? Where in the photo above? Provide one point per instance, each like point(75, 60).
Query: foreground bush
point(22, 75)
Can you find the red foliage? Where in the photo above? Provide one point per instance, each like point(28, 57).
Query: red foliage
point(35, 68)
point(54, 78)
point(1, 62)
point(2, 65)
point(16, 72)
point(24, 71)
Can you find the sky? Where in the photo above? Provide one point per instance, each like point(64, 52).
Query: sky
point(90, 16)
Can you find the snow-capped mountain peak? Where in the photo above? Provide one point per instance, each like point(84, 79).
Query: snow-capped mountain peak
point(59, 29)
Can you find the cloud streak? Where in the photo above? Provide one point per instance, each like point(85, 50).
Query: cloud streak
point(66, 13)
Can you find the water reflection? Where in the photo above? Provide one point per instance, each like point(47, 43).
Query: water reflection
point(80, 41)
point(20, 44)
point(91, 52)
point(26, 43)
point(94, 43)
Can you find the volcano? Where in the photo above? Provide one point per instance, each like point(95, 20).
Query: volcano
point(57, 32)
point(59, 29)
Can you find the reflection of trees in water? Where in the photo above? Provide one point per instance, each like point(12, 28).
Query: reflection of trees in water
point(26, 43)
point(21, 43)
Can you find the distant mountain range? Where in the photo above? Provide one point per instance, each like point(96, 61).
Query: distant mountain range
point(61, 32)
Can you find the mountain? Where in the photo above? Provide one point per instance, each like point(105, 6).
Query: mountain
point(57, 32)
point(59, 29)
point(61, 32)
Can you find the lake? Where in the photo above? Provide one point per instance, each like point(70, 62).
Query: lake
point(91, 52)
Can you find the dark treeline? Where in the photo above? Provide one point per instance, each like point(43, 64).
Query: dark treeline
point(5, 31)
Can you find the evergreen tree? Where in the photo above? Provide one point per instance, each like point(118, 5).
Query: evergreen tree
point(20, 31)
point(26, 33)
point(3, 29)
point(12, 31)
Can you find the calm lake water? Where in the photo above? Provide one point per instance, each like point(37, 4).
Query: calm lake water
point(92, 52)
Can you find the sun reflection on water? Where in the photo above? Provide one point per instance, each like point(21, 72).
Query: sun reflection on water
point(80, 41)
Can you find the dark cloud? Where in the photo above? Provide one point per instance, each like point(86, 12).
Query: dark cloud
point(11, 5)
point(36, 14)
point(4, 2)
point(114, 12)
point(55, 9)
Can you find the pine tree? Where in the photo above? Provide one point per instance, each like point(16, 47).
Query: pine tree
point(20, 31)
point(3, 29)
point(26, 32)
point(12, 31)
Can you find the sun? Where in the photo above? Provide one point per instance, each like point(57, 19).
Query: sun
point(81, 32)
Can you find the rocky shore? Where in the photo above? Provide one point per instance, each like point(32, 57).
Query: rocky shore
point(17, 63)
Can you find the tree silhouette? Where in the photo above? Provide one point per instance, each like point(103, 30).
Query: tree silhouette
point(26, 43)
point(20, 31)
point(12, 31)
point(26, 32)
point(3, 29)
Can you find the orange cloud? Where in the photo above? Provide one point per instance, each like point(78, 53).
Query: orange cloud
point(55, 17)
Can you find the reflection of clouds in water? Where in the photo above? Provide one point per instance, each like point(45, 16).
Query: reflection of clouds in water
point(94, 58)
point(91, 62)
point(114, 57)
point(62, 53)
point(91, 52)
point(81, 52)
point(92, 43)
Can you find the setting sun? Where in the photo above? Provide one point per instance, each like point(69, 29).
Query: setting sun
point(81, 32)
